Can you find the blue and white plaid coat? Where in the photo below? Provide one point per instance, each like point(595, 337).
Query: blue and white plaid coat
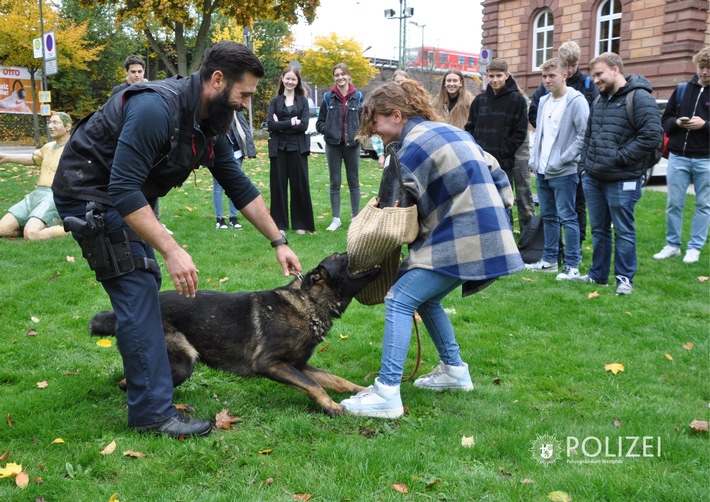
point(460, 192)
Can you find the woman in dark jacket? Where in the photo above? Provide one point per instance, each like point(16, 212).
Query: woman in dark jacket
point(288, 151)
point(339, 122)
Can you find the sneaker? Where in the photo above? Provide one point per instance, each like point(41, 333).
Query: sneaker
point(300, 231)
point(221, 225)
point(587, 279)
point(623, 286)
point(542, 266)
point(667, 252)
point(691, 255)
point(445, 377)
point(377, 401)
point(178, 426)
point(335, 225)
point(568, 274)
point(234, 223)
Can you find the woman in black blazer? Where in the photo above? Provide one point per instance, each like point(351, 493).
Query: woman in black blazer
point(289, 148)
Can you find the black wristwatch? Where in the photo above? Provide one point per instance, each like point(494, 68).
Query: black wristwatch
point(278, 242)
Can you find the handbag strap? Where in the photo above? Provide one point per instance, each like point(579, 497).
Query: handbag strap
point(389, 194)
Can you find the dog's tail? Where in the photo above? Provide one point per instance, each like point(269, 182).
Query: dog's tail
point(103, 324)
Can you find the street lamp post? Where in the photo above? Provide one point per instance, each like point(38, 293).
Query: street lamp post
point(404, 13)
point(421, 61)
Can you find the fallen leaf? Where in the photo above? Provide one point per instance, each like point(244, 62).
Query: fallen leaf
point(304, 497)
point(669, 357)
point(593, 294)
point(58, 441)
point(629, 314)
point(134, 454)
point(114, 498)
point(324, 347)
point(31, 332)
point(38, 480)
point(268, 481)
point(35, 319)
point(22, 480)
point(104, 344)
point(434, 483)
point(703, 278)
point(526, 481)
point(400, 487)
point(9, 424)
point(467, 442)
point(5, 456)
point(11, 469)
point(559, 497)
point(268, 451)
point(71, 259)
point(614, 367)
point(185, 408)
point(189, 208)
point(617, 422)
point(699, 425)
point(527, 279)
point(108, 449)
point(496, 381)
point(343, 337)
point(450, 311)
point(223, 420)
point(42, 385)
point(223, 279)
point(688, 345)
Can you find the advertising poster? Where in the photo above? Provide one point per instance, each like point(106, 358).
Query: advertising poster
point(15, 90)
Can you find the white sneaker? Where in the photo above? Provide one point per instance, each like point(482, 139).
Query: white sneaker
point(691, 255)
point(378, 401)
point(445, 377)
point(568, 274)
point(335, 225)
point(667, 252)
point(623, 286)
point(542, 266)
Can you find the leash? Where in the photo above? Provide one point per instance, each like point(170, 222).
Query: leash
point(419, 350)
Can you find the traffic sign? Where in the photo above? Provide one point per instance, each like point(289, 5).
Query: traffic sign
point(50, 46)
point(37, 47)
point(50, 67)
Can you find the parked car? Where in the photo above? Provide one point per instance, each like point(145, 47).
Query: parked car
point(317, 140)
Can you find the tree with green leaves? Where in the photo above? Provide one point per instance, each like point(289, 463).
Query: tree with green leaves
point(176, 29)
point(329, 50)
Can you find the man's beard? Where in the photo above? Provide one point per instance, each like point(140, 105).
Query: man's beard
point(221, 113)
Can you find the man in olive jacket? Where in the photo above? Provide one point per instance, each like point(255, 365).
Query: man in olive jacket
point(619, 137)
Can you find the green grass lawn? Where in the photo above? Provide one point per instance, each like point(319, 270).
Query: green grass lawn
point(537, 349)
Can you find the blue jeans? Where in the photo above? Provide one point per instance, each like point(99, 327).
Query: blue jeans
point(336, 155)
point(557, 198)
point(217, 192)
point(421, 290)
point(608, 203)
point(682, 171)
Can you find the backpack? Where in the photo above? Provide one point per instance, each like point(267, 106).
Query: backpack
point(532, 240)
point(654, 156)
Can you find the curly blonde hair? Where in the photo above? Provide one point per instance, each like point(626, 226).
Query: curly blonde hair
point(408, 97)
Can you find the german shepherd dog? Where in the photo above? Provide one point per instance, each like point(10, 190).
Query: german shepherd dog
point(269, 334)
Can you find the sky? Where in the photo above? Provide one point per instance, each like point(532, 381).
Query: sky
point(455, 27)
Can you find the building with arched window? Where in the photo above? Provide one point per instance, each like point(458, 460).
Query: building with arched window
point(655, 38)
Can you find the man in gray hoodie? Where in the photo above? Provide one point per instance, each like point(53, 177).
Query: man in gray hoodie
point(561, 124)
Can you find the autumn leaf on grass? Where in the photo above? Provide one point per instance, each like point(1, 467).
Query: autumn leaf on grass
point(108, 449)
point(42, 385)
point(400, 487)
point(185, 408)
point(703, 278)
point(559, 496)
point(104, 344)
point(9, 424)
point(22, 480)
point(34, 319)
point(688, 345)
point(134, 454)
point(31, 332)
point(467, 442)
point(223, 420)
point(58, 441)
point(5, 456)
point(343, 337)
point(699, 425)
point(593, 294)
point(324, 347)
point(614, 367)
point(223, 280)
point(114, 498)
point(268, 451)
point(11, 469)
point(304, 497)
point(669, 357)
point(71, 259)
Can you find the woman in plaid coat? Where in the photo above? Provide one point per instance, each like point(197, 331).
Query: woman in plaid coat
point(464, 238)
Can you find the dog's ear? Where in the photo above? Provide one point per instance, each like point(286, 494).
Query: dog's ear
point(310, 280)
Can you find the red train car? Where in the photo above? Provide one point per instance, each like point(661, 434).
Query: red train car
point(439, 60)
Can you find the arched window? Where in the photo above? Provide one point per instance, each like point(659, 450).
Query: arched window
point(543, 29)
point(609, 27)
